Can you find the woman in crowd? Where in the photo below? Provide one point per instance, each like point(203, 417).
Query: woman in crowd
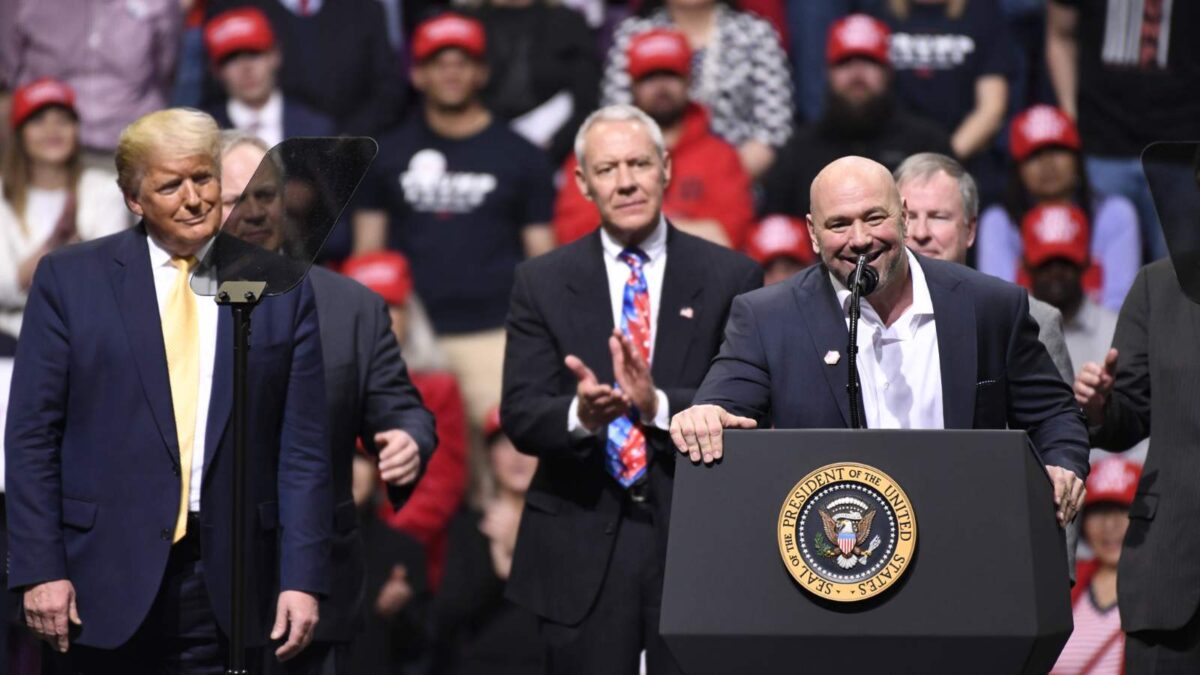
point(49, 198)
point(437, 497)
point(476, 629)
point(543, 70)
point(739, 72)
point(1047, 168)
point(1097, 645)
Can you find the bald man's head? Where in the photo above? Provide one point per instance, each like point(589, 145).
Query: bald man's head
point(856, 209)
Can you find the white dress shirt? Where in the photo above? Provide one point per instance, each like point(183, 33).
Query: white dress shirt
point(206, 309)
point(6, 370)
point(655, 248)
point(265, 122)
point(899, 364)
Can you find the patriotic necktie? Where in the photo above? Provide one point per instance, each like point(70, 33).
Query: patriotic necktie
point(626, 457)
point(181, 337)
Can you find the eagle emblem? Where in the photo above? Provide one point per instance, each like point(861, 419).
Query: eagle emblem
point(849, 527)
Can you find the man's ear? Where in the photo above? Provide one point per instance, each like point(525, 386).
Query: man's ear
point(666, 168)
point(812, 234)
point(972, 230)
point(132, 204)
point(581, 183)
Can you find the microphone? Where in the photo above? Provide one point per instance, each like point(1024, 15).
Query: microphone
point(862, 282)
point(864, 277)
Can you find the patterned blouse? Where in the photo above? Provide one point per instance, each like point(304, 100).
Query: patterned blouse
point(742, 76)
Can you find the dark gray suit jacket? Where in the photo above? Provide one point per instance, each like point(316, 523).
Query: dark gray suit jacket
point(1158, 339)
point(367, 390)
point(560, 305)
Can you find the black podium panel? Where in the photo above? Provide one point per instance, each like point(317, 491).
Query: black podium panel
point(986, 591)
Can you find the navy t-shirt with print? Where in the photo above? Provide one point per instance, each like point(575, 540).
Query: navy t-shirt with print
point(937, 59)
point(456, 208)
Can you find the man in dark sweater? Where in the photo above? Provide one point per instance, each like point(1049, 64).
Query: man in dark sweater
point(336, 58)
point(861, 118)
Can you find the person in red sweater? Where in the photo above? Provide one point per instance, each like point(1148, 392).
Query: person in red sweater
point(709, 192)
point(439, 493)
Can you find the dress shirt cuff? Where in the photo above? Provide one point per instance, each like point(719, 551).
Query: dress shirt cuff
point(574, 424)
point(662, 418)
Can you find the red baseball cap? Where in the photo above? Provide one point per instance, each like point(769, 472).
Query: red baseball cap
point(239, 30)
point(1055, 231)
point(657, 50)
point(858, 35)
point(491, 423)
point(1039, 127)
point(1112, 480)
point(780, 236)
point(385, 272)
point(448, 31)
point(34, 96)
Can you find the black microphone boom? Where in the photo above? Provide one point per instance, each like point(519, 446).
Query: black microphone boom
point(863, 280)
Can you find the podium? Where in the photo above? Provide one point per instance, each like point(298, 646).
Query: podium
point(986, 589)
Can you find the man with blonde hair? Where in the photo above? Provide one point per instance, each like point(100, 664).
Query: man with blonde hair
point(119, 447)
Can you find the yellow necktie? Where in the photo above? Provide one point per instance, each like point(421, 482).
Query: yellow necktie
point(181, 336)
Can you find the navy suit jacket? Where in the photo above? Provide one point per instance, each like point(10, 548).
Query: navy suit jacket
point(995, 373)
point(93, 456)
point(368, 391)
point(561, 305)
point(298, 119)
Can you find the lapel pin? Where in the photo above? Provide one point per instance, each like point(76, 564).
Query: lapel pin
point(687, 312)
point(832, 357)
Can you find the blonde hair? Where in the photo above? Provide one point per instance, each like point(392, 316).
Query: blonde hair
point(183, 132)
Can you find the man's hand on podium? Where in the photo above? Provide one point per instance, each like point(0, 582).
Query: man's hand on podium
point(699, 430)
point(1068, 493)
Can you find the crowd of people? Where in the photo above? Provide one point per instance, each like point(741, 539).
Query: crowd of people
point(1012, 131)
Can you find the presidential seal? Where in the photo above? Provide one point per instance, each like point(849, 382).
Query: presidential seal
point(847, 532)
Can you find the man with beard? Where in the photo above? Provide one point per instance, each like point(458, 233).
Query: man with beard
point(709, 194)
point(861, 117)
point(455, 184)
point(940, 345)
point(1055, 239)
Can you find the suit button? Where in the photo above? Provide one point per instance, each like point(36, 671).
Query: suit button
point(175, 470)
point(166, 534)
point(610, 528)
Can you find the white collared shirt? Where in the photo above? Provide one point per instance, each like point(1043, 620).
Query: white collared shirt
point(265, 122)
point(899, 365)
point(206, 310)
point(653, 268)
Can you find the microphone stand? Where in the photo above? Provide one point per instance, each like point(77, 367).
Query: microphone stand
point(862, 282)
point(243, 297)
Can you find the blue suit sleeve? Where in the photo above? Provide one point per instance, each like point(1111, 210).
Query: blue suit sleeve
point(1039, 401)
point(739, 379)
point(305, 475)
point(36, 420)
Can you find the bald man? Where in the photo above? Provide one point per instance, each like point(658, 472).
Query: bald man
point(940, 346)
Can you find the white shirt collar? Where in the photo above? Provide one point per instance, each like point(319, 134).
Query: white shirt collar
point(922, 303)
point(161, 257)
point(242, 115)
point(654, 246)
